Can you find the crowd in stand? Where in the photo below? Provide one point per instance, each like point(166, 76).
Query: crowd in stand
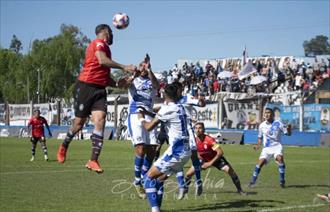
point(280, 75)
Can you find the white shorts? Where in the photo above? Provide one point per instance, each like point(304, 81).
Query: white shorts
point(169, 164)
point(272, 151)
point(138, 134)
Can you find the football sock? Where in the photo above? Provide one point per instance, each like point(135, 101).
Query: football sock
point(33, 150)
point(145, 166)
point(188, 181)
point(44, 148)
point(236, 182)
point(138, 162)
point(151, 191)
point(160, 191)
point(281, 170)
point(180, 179)
point(255, 174)
point(68, 138)
point(197, 166)
point(97, 143)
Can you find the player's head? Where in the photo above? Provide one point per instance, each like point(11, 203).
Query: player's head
point(199, 129)
point(143, 67)
point(36, 112)
point(104, 32)
point(179, 87)
point(269, 114)
point(171, 93)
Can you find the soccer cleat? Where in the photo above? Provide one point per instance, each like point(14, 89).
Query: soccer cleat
point(61, 153)
point(242, 193)
point(32, 159)
point(181, 193)
point(282, 184)
point(140, 191)
point(325, 197)
point(46, 158)
point(251, 185)
point(94, 166)
point(199, 189)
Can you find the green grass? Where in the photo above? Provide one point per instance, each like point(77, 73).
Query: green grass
point(49, 186)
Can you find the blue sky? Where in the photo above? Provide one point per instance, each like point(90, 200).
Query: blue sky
point(172, 30)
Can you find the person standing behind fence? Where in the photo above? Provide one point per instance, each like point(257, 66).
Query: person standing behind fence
point(36, 126)
point(90, 94)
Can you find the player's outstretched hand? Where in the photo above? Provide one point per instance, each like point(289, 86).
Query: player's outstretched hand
point(206, 165)
point(130, 68)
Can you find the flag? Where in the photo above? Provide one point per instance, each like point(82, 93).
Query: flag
point(244, 56)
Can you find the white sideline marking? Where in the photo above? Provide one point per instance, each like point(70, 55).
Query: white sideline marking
point(291, 207)
point(77, 168)
point(83, 169)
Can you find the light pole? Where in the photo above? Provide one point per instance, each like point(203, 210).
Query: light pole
point(38, 88)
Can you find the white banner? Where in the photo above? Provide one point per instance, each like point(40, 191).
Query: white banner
point(207, 114)
point(242, 115)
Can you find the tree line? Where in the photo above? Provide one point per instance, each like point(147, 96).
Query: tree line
point(50, 67)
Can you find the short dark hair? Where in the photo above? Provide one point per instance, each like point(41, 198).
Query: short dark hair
point(270, 109)
point(200, 123)
point(36, 110)
point(171, 91)
point(101, 27)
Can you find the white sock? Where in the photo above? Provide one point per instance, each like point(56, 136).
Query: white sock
point(155, 209)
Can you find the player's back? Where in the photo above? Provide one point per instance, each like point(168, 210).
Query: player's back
point(174, 118)
point(92, 72)
point(141, 94)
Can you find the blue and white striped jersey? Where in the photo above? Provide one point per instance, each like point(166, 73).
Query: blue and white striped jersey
point(271, 132)
point(141, 93)
point(174, 118)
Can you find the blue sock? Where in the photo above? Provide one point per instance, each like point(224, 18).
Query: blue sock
point(180, 179)
point(137, 169)
point(151, 191)
point(145, 167)
point(281, 170)
point(197, 166)
point(255, 174)
point(160, 191)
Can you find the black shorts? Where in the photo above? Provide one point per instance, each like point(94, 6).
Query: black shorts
point(222, 162)
point(36, 139)
point(88, 98)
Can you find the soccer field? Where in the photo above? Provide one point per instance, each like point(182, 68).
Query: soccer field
point(50, 186)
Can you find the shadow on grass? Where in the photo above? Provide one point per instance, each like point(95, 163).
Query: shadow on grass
point(306, 186)
point(234, 192)
point(237, 204)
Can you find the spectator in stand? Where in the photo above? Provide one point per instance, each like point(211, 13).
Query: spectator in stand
point(216, 86)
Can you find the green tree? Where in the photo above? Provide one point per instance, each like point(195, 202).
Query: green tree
point(15, 45)
point(317, 46)
point(58, 59)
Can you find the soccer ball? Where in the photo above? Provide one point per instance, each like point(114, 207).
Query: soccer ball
point(120, 20)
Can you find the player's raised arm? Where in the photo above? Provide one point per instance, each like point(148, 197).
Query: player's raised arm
point(104, 60)
point(151, 75)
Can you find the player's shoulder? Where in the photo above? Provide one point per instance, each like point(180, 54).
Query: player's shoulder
point(99, 44)
point(209, 139)
point(263, 124)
